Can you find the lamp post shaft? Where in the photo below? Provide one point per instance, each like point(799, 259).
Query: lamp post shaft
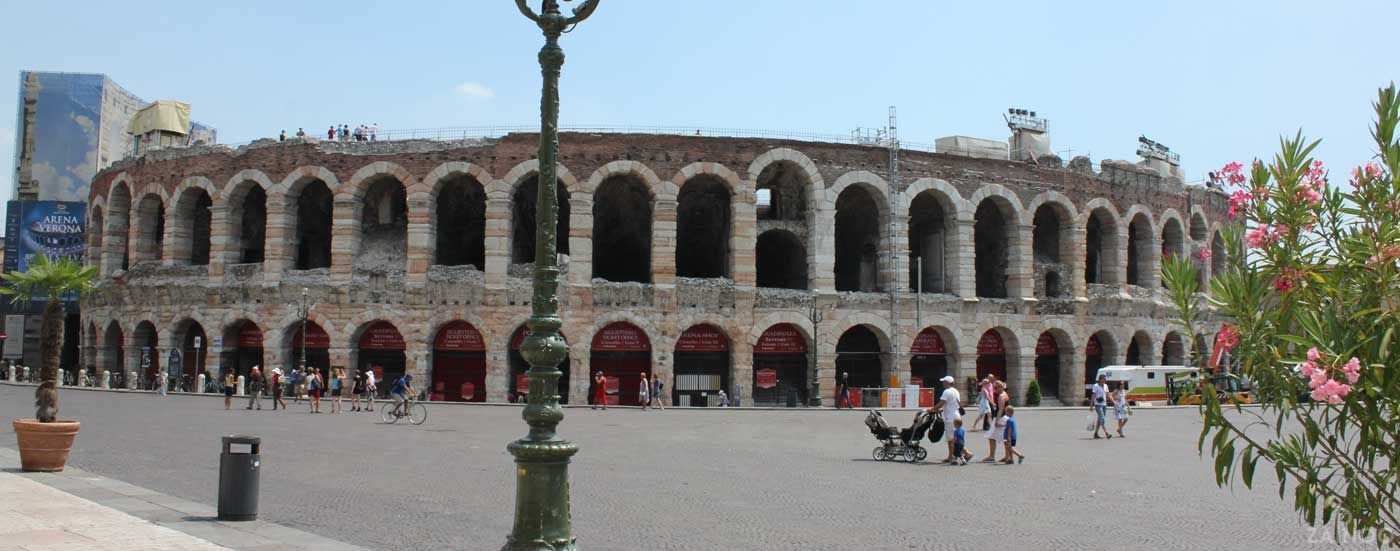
point(542, 517)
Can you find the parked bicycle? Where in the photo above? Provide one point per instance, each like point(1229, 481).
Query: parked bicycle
point(410, 408)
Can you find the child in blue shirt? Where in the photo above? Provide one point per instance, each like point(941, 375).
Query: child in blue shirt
point(960, 453)
point(1009, 420)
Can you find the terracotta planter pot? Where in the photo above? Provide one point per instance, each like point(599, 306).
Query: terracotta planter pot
point(43, 447)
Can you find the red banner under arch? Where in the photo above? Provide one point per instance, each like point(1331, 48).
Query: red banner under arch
point(459, 336)
point(990, 344)
point(621, 337)
point(783, 338)
point(702, 338)
point(928, 342)
point(382, 335)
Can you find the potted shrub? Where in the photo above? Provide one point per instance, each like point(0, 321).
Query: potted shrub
point(44, 441)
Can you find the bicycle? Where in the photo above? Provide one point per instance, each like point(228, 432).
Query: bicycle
point(410, 408)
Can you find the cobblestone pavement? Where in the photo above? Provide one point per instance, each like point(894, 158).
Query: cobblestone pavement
point(690, 479)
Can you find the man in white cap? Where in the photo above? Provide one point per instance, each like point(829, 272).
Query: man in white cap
point(950, 402)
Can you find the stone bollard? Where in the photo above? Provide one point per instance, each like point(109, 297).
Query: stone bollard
point(131, 380)
point(199, 384)
point(105, 380)
point(240, 386)
point(13, 373)
point(24, 374)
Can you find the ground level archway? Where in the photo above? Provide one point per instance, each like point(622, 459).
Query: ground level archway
point(928, 360)
point(381, 350)
point(459, 364)
point(701, 366)
point(622, 353)
point(991, 355)
point(858, 362)
point(318, 346)
point(242, 348)
point(780, 366)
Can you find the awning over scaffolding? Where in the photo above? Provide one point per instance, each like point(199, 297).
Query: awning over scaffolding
point(163, 115)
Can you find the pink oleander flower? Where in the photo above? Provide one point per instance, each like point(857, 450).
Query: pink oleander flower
point(1373, 171)
point(1307, 369)
point(1283, 284)
point(1313, 355)
point(1229, 337)
point(1309, 194)
point(1352, 370)
point(1331, 392)
point(1264, 235)
point(1233, 173)
point(1238, 201)
point(1204, 254)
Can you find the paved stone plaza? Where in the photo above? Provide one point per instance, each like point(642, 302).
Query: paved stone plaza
point(688, 479)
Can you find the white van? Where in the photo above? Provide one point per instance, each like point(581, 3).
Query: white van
point(1147, 384)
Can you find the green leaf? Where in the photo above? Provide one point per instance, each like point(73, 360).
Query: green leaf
point(1247, 463)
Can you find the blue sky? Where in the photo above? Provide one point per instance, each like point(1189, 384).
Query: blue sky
point(1215, 80)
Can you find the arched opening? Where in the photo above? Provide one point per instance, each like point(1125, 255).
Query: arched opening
point(118, 228)
point(931, 248)
point(622, 352)
point(1139, 250)
point(252, 226)
point(1138, 349)
point(780, 366)
point(1050, 244)
point(622, 231)
point(146, 338)
point(928, 360)
point(781, 260)
point(242, 349)
point(194, 353)
point(991, 355)
point(200, 233)
point(383, 228)
point(460, 222)
point(317, 347)
point(703, 228)
point(1174, 349)
point(190, 218)
point(1095, 357)
point(782, 193)
point(858, 362)
point(1100, 244)
point(459, 364)
point(991, 243)
point(1198, 227)
point(520, 379)
point(1173, 242)
point(858, 241)
point(1050, 364)
point(381, 350)
point(701, 366)
point(114, 361)
point(150, 229)
point(95, 229)
point(523, 221)
point(314, 214)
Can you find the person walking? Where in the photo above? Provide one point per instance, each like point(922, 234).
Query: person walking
point(643, 393)
point(1120, 406)
point(374, 132)
point(734, 395)
point(1099, 404)
point(314, 384)
point(960, 453)
point(1008, 422)
point(371, 387)
point(282, 137)
point(843, 391)
point(255, 388)
point(337, 383)
point(950, 402)
point(600, 391)
point(995, 436)
point(984, 403)
point(723, 399)
point(230, 385)
point(276, 384)
point(658, 392)
point(330, 134)
point(301, 133)
point(357, 389)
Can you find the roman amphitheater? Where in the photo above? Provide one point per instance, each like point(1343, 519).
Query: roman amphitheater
point(699, 259)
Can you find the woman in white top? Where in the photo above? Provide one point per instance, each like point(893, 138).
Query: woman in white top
point(997, 434)
point(644, 391)
point(1098, 401)
point(1120, 406)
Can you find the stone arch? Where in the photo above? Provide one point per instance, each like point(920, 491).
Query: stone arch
point(1176, 350)
point(1140, 349)
point(780, 260)
point(96, 224)
point(877, 324)
point(190, 231)
point(307, 192)
point(1171, 232)
point(245, 203)
point(1103, 237)
point(148, 233)
point(1199, 228)
point(518, 174)
point(933, 208)
point(454, 196)
point(656, 187)
point(809, 170)
point(116, 250)
point(1012, 363)
point(859, 235)
point(1062, 381)
point(707, 204)
point(374, 172)
point(625, 210)
point(793, 318)
point(653, 333)
point(376, 200)
point(996, 242)
point(1053, 245)
point(1141, 250)
point(520, 186)
point(853, 354)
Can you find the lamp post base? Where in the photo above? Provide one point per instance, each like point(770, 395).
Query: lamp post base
point(542, 518)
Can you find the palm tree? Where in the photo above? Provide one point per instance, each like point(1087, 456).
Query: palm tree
point(48, 280)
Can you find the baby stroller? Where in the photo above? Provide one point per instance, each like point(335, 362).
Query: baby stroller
point(897, 443)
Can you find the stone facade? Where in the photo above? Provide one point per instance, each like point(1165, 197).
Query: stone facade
point(145, 211)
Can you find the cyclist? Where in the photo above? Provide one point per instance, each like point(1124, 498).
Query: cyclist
point(402, 389)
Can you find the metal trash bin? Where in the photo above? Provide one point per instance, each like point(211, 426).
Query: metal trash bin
point(238, 478)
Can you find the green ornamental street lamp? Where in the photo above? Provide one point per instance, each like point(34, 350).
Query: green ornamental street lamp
point(542, 521)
